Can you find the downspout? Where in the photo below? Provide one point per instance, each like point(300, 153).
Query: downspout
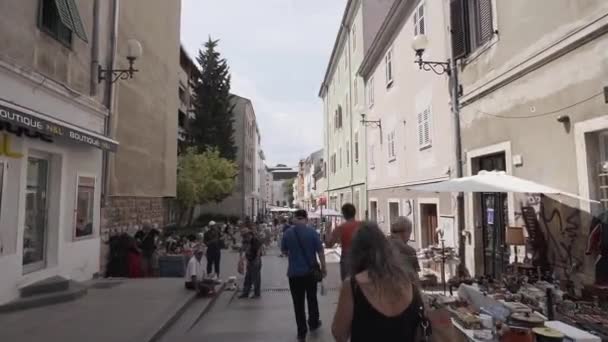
point(352, 112)
point(95, 49)
point(110, 91)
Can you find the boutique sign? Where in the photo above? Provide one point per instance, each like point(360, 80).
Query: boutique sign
point(20, 123)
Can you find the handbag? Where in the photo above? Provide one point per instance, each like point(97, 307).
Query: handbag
point(315, 269)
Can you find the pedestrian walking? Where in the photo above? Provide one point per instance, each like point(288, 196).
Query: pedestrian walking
point(302, 245)
point(252, 255)
point(380, 301)
point(344, 235)
point(401, 231)
point(214, 249)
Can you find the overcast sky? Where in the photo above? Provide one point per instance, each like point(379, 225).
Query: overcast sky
point(278, 52)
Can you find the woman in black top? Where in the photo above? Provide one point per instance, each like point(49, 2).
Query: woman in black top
point(381, 301)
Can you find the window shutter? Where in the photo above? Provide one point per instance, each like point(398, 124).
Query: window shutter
point(416, 23)
point(458, 18)
point(77, 21)
point(485, 29)
point(420, 129)
point(421, 28)
point(427, 126)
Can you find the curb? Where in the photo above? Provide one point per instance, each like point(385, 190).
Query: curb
point(209, 306)
point(164, 327)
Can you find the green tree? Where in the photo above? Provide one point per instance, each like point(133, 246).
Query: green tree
point(203, 178)
point(214, 120)
point(288, 191)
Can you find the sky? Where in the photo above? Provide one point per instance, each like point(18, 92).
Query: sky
point(278, 52)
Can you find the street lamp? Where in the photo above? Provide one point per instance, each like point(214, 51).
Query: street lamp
point(134, 51)
point(419, 44)
point(371, 123)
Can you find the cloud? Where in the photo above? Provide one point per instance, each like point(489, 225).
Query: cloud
point(277, 51)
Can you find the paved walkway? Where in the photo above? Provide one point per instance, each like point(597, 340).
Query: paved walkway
point(270, 318)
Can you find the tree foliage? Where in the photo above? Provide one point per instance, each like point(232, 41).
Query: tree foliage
point(204, 177)
point(288, 191)
point(213, 107)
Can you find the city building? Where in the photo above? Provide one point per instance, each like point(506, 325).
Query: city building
point(142, 174)
point(53, 118)
point(410, 139)
point(313, 169)
point(343, 103)
point(533, 104)
point(282, 177)
point(188, 73)
point(243, 201)
point(263, 185)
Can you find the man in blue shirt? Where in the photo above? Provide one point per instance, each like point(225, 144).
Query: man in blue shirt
point(302, 244)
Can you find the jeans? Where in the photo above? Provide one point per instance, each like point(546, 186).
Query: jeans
point(213, 261)
point(344, 266)
point(253, 276)
point(304, 287)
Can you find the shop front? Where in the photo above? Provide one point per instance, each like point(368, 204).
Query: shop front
point(50, 190)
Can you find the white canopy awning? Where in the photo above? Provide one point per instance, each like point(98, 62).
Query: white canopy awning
point(327, 212)
point(282, 210)
point(495, 181)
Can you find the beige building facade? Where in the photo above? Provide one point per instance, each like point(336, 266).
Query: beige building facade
point(533, 105)
point(142, 175)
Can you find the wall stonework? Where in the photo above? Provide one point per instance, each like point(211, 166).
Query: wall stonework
point(131, 212)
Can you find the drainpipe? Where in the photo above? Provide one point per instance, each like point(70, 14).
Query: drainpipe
point(110, 91)
point(95, 49)
point(350, 105)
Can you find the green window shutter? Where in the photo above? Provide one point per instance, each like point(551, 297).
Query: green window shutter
point(78, 27)
point(68, 13)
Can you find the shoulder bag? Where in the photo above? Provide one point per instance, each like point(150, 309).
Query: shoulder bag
point(315, 268)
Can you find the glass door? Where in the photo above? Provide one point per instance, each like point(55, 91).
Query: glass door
point(36, 213)
point(494, 215)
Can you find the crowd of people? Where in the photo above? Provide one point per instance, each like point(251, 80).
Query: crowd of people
point(379, 298)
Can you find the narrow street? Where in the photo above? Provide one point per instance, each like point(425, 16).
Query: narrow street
point(270, 318)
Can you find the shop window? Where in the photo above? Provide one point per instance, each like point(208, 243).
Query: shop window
point(85, 200)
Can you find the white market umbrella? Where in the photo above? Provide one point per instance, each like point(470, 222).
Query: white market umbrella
point(313, 215)
point(328, 212)
point(494, 181)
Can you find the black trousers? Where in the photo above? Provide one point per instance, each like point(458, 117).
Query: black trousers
point(213, 261)
point(304, 288)
point(253, 277)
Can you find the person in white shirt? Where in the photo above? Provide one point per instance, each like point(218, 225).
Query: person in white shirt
point(195, 274)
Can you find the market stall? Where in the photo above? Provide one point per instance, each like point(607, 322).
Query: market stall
point(535, 299)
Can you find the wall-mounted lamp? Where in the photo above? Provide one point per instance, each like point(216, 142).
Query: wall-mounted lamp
point(371, 123)
point(134, 51)
point(563, 119)
point(419, 44)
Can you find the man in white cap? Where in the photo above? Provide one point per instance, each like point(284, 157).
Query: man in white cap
point(195, 273)
point(212, 240)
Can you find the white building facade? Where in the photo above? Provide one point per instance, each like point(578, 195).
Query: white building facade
point(52, 137)
point(413, 141)
point(342, 92)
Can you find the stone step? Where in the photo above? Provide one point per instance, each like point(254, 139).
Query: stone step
point(49, 285)
point(73, 292)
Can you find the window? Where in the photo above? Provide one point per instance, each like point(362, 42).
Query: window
point(419, 26)
point(347, 154)
point(354, 34)
point(372, 161)
point(370, 92)
point(424, 128)
point(60, 19)
point(339, 117)
point(472, 25)
point(355, 91)
point(356, 147)
point(391, 146)
point(340, 157)
point(84, 207)
point(388, 64)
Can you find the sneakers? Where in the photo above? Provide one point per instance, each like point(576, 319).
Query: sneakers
point(244, 296)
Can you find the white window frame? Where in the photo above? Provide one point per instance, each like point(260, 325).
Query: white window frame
point(356, 147)
point(390, 146)
point(426, 140)
point(420, 21)
point(93, 222)
point(347, 154)
point(372, 161)
point(354, 35)
point(388, 67)
point(355, 91)
point(370, 92)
